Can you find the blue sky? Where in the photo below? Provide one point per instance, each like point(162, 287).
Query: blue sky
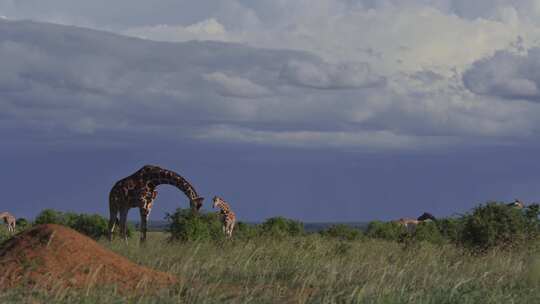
point(317, 110)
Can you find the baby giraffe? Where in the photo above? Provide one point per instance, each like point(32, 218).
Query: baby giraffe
point(9, 220)
point(227, 216)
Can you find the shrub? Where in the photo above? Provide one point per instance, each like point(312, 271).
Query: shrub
point(246, 231)
point(343, 232)
point(498, 225)
point(428, 232)
point(22, 223)
point(385, 230)
point(92, 225)
point(49, 216)
point(281, 227)
point(185, 225)
point(451, 229)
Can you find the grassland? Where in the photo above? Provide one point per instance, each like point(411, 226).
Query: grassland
point(311, 269)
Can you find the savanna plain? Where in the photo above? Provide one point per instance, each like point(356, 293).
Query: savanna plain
point(315, 269)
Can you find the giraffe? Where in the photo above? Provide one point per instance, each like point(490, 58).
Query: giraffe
point(516, 204)
point(410, 224)
point(227, 215)
point(9, 220)
point(139, 190)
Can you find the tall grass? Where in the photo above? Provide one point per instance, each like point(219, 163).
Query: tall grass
point(312, 269)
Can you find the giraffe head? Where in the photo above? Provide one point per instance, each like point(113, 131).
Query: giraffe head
point(196, 203)
point(216, 201)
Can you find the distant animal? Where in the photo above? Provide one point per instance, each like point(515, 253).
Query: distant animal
point(410, 224)
point(139, 190)
point(228, 217)
point(426, 217)
point(9, 220)
point(516, 204)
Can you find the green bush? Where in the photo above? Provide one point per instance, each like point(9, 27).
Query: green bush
point(49, 216)
point(185, 225)
point(281, 227)
point(246, 231)
point(22, 223)
point(390, 231)
point(343, 232)
point(4, 234)
point(498, 225)
point(451, 229)
point(428, 232)
point(92, 225)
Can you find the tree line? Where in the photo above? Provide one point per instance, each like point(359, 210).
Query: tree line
point(489, 225)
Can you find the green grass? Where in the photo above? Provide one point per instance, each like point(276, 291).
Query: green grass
point(311, 269)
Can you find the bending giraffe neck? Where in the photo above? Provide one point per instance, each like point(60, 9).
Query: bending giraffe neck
point(222, 205)
point(155, 176)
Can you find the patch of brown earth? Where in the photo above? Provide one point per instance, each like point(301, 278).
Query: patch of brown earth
point(53, 256)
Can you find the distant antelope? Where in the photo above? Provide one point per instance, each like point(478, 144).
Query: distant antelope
point(9, 220)
point(410, 224)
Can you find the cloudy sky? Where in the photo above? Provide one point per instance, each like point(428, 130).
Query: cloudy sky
point(320, 110)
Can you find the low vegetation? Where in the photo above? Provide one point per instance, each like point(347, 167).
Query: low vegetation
point(93, 225)
point(490, 255)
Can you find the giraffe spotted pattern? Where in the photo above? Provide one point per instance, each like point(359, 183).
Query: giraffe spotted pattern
point(228, 217)
point(139, 191)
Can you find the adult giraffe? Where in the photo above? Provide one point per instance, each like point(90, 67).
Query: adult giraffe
point(139, 190)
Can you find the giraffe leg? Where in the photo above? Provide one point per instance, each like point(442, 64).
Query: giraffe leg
point(113, 219)
point(123, 223)
point(144, 220)
point(231, 229)
point(226, 227)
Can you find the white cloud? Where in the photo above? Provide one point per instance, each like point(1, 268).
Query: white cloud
point(208, 29)
point(392, 35)
point(373, 74)
point(386, 140)
point(235, 86)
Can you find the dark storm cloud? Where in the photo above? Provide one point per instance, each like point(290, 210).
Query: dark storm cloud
point(63, 81)
point(77, 81)
point(507, 75)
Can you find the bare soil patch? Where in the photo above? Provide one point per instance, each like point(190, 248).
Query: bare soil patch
point(54, 256)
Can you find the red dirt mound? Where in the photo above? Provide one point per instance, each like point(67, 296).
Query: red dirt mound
point(53, 256)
